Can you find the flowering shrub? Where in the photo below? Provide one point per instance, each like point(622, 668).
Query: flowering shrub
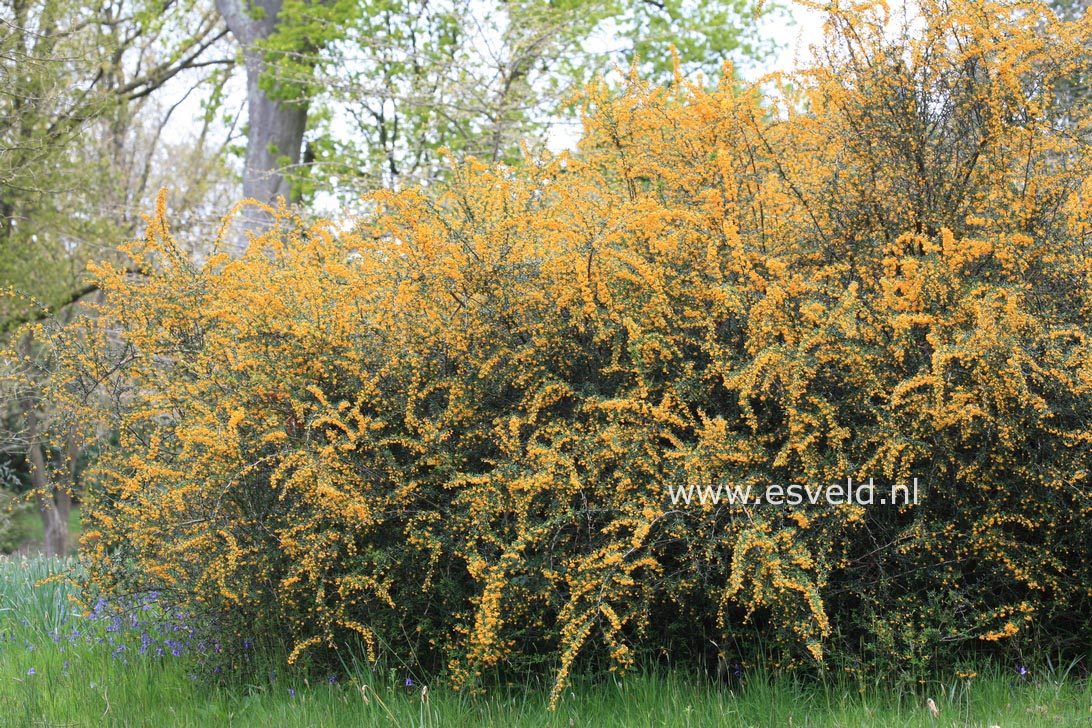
point(451, 431)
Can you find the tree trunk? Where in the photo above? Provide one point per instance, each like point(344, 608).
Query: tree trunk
point(55, 512)
point(275, 128)
point(54, 504)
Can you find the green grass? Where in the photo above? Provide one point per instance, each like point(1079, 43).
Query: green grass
point(84, 680)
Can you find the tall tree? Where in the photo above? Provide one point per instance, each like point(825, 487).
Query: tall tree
point(74, 77)
point(276, 118)
point(81, 123)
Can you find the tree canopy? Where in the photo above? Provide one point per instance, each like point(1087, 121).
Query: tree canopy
point(346, 97)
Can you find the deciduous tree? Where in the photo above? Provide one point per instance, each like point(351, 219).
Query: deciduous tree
point(78, 150)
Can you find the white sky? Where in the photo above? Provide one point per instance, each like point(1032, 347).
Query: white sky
point(804, 29)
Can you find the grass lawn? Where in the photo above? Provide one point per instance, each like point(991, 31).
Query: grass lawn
point(58, 667)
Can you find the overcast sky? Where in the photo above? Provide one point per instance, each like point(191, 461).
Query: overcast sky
point(794, 38)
